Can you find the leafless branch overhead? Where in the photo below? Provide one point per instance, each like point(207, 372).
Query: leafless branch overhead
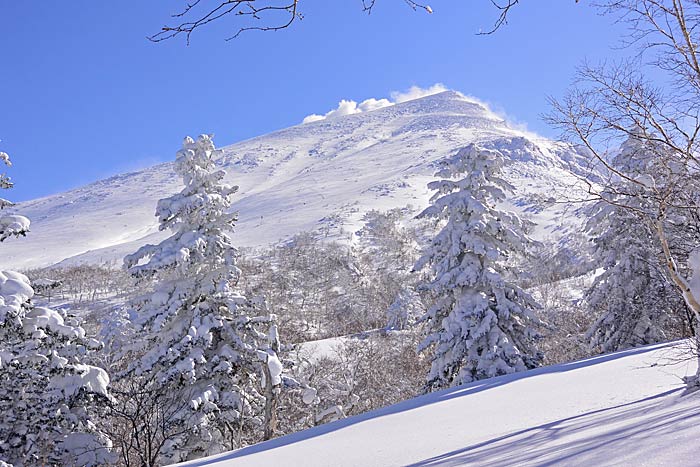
point(269, 15)
point(273, 16)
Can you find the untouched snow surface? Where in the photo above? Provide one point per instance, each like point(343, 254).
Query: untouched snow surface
point(621, 409)
point(320, 176)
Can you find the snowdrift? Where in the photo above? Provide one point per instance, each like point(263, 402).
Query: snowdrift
point(626, 408)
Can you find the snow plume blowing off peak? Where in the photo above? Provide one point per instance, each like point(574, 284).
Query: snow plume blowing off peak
point(349, 107)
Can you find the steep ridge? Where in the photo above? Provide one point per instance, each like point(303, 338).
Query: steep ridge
point(317, 176)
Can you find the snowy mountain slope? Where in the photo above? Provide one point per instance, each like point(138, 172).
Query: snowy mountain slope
point(317, 176)
point(621, 409)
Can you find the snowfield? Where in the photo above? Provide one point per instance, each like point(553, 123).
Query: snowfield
point(622, 409)
point(321, 176)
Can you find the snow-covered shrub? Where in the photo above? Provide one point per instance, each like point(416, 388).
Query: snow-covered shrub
point(389, 242)
point(352, 376)
point(388, 250)
point(480, 323)
point(317, 289)
point(565, 319)
point(82, 284)
point(405, 310)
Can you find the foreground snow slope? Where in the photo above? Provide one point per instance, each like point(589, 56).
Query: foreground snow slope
point(625, 409)
point(317, 176)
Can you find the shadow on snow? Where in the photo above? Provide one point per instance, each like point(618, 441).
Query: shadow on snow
point(563, 441)
point(463, 456)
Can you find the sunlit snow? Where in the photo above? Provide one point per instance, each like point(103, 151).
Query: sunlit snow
point(626, 408)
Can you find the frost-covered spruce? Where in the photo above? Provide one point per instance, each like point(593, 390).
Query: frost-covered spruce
point(201, 341)
point(479, 323)
point(47, 393)
point(633, 296)
point(10, 224)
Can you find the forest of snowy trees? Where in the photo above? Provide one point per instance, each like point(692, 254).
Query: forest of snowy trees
point(195, 347)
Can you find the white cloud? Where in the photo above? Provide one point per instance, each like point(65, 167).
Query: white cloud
point(344, 108)
point(373, 104)
point(349, 107)
point(416, 92)
point(313, 118)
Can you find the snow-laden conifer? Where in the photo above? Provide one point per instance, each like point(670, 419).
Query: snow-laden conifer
point(10, 224)
point(633, 295)
point(201, 340)
point(49, 397)
point(480, 324)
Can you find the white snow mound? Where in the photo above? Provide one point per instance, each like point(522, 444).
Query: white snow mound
point(626, 408)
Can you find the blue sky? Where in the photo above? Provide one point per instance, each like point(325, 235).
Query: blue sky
point(84, 95)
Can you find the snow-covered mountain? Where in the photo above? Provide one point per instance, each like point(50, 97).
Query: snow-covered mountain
point(621, 409)
point(317, 176)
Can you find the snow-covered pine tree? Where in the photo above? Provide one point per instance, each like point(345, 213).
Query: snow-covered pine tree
point(48, 396)
point(480, 324)
point(201, 341)
point(633, 296)
point(10, 224)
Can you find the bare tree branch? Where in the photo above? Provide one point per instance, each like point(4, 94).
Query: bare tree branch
point(504, 9)
point(283, 15)
point(273, 15)
point(652, 100)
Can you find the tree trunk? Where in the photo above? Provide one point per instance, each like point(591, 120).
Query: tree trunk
point(270, 393)
point(693, 302)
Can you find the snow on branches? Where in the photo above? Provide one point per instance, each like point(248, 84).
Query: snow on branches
point(10, 224)
point(200, 338)
point(479, 323)
point(632, 296)
point(48, 396)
